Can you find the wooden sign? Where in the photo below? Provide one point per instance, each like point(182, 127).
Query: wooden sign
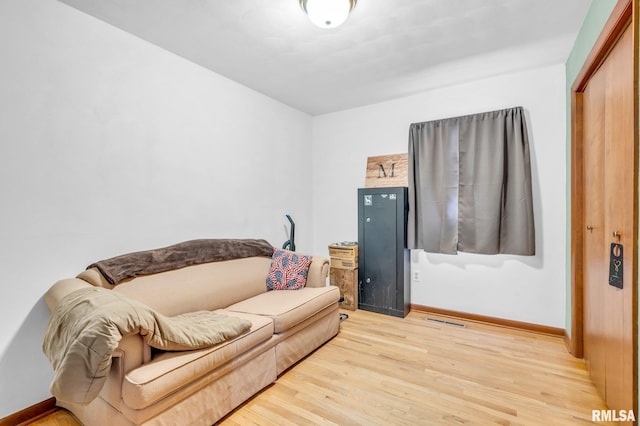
point(387, 170)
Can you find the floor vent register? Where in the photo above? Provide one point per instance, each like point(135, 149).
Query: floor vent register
point(439, 321)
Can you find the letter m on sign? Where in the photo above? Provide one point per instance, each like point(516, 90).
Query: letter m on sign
point(384, 173)
point(387, 170)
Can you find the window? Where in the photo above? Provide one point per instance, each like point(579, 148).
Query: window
point(470, 185)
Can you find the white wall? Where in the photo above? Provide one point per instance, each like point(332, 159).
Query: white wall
point(529, 289)
point(109, 144)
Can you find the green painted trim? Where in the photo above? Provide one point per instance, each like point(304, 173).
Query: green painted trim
point(597, 16)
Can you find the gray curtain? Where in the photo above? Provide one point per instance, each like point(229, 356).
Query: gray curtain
point(470, 185)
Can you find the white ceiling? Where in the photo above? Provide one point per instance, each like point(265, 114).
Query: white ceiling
point(385, 50)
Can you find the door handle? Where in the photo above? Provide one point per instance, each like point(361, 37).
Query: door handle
point(589, 228)
point(617, 235)
point(368, 280)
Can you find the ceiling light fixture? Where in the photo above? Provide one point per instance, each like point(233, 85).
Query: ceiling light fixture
point(328, 13)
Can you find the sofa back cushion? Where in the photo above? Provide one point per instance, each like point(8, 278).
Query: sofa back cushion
point(207, 286)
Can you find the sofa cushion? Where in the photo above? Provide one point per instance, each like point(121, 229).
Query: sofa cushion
point(288, 270)
point(169, 371)
point(288, 308)
point(203, 287)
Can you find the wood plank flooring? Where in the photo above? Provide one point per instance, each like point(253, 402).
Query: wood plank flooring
point(382, 370)
point(58, 418)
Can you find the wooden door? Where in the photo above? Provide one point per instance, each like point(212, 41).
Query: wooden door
point(609, 217)
point(619, 220)
point(595, 273)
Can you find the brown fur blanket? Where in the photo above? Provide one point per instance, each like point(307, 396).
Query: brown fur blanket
point(178, 256)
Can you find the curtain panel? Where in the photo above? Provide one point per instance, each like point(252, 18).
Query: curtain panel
point(470, 185)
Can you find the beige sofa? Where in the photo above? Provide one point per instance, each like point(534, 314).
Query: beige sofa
point(199, 387)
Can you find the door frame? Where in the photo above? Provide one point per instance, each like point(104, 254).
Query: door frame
point(624, 13)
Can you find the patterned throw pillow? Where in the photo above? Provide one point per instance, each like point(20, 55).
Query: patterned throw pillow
point(288, 270)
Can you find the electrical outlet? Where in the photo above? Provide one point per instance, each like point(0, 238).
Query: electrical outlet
point(416, 276)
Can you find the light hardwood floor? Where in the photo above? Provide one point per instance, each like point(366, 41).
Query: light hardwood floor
point(382, 370)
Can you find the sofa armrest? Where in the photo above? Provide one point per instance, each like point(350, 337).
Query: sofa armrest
point(318, 272)
point(60, 289)
point(133, 344)
point(132, 351)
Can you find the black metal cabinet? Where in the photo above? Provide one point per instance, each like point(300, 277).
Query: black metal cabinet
point(383, 274)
